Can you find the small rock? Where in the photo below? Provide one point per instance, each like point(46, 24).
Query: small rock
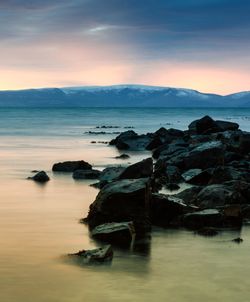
point(238, 240)
point(71, 166)
point(102, 254)
point(40, 177)
point(122, 156)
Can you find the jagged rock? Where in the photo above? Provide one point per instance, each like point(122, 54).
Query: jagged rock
point(141, 169)
point(201, 219)
point(71, 166)
point(238, 240)
point(40, 177)
point(122, 233)
point(190, 174)
point(165, 209)
point(102, 254)
point(189, 195)
point(173, 174)
point(86, 174)
point(122, 200)
point(221, 174)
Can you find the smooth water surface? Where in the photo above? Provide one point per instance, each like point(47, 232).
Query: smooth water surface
point(39, 224)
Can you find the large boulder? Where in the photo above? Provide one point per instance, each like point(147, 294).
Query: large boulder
point(165, 209)
point(197, 176)
point(202, 156)
point(122, 200)
point(205, 125)
point(71, 166)
point(218, 195)
point(141, 169)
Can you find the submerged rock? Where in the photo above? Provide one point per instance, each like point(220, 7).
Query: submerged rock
point(123, 156)
point(86, 174)
point(122, 233)
point(40, 177)
point(101, 254)
point(71, 166)
point(201, 219)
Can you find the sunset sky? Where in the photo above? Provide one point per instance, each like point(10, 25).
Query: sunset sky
point(199, 44)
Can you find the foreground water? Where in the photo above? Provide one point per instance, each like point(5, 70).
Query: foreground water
point(39, 224)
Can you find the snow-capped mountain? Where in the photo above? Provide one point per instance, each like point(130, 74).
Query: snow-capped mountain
point(120, 96)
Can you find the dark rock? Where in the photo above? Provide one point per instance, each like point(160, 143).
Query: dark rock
point(221, 174)
point(189, 195)
point(225, 125)
point(119, 201)
point(203, 156)
point(40, 177)
point(238, 240)
point(244, 143)
point(201, 219)
point(129, 140)
point(71, 166)
point(198, 177)
point(123, 156)
point(141, 169)
point(209, 232)
point(172, 186)
point(165, 209)
point(102, 254)
point(218, 195)
point(86, 174)
point(205, 125)
point(122, 233)
point(100, 184)
point(111, 173)
point(173, 174)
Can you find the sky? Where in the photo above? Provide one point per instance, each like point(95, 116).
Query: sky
point(198, 44)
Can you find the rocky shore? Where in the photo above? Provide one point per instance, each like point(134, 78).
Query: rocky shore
point(211, 158)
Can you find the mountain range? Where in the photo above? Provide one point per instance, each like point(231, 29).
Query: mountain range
point(120, 96)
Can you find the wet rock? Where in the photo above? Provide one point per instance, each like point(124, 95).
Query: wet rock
point(86, 174)
point(102, 254)
point(244, 143)
point(122, 233)
point(201, 219)
point(71, 166)
point(165, 209)
point(141, 169)
point(111, 173)
point(123, 156)
point(122, 200)
point(221, 174)
point(40, 177)
point(190, 174)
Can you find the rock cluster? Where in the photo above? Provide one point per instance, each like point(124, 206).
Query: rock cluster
point(212, 157)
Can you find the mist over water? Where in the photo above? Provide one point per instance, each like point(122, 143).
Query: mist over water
point(39, 224)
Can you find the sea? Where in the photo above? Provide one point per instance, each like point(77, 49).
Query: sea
point(39, 224)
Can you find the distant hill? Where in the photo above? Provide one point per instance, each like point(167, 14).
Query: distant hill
point(120, 96)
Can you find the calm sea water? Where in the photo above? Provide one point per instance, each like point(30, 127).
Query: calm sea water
point(39, 224)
